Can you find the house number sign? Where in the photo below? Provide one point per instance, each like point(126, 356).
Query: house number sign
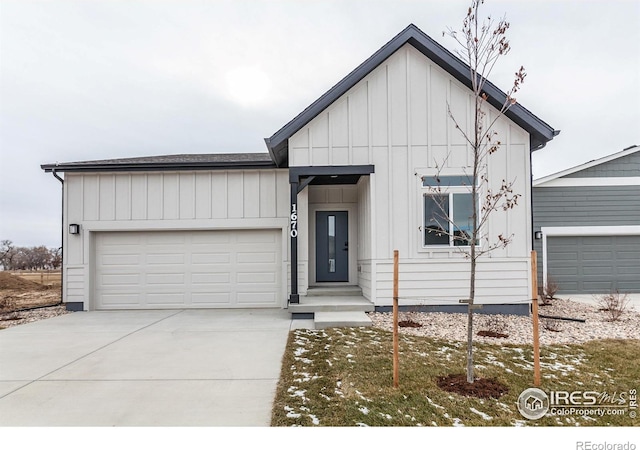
point(294, 220)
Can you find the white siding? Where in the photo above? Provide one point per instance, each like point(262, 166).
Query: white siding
point(397, 120)
point(241, 199)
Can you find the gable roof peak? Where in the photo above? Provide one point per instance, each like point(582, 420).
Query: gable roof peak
point(539, 131)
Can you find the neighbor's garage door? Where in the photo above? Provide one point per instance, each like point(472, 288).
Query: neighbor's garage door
point(594, 264)
point(194, 269)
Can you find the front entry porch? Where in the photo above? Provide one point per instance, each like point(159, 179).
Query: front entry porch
point(334, 306)
point(324, 234)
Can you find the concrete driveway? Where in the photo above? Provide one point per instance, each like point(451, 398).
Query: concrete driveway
point(143, 368)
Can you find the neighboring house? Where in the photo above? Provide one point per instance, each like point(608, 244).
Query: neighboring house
point(588, 224)
point(339, 190)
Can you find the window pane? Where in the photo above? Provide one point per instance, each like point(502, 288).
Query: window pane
point(457, 180)
point(436, 225)
point(331, 227)
point(462, 218)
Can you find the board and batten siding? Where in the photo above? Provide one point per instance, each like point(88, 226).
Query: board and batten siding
point(234, 199)
point(627, 166)
point(396, 119)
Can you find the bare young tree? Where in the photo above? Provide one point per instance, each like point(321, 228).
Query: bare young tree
point(481, 44)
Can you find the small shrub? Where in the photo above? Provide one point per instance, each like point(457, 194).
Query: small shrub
point(552, 325)
point(7, 304)
point(614, 304)
point(548, 291)
point(410, 318)
point(492, 325)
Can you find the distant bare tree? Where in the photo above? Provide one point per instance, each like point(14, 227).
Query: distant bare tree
point(29, 258)
point(56, 257)
point(7, 253)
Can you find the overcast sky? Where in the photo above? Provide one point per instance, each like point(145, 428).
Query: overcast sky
point(83, 80)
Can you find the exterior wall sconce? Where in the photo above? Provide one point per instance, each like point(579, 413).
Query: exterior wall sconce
point(538, 234)
point(74, 228)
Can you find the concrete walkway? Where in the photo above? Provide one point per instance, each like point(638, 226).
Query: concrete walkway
point(143, 368)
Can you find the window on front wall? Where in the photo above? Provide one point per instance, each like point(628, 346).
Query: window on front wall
point(448, 211)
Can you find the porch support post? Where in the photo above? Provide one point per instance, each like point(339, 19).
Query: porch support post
point(293, 233)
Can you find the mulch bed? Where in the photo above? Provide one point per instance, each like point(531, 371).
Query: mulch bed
point(481, 387)
point(409, 324)
point(494, 334)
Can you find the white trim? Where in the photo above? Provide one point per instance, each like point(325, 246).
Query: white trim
point(621, 230)
point(592, 163)
point(592, 181)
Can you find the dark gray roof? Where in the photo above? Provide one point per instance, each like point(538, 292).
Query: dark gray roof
point(539, 131)
point(168, 162)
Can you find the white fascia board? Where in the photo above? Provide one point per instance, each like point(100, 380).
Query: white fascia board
point(595, 162)
point(620, 230)
point(592, 181)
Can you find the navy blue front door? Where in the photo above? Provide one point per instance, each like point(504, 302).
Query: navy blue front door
point(332, 246)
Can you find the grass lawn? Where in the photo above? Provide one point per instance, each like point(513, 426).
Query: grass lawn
point(344, 377)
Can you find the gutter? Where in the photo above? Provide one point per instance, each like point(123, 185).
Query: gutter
point(153, 167)
point(61, 180)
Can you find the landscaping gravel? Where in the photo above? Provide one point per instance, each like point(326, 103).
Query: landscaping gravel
point(519, 329)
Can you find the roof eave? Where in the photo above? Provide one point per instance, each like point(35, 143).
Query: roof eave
point(153, 167)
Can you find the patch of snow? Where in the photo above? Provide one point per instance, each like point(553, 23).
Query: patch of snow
point(457, 422)
point(434, 404)
point(360, 424)
point(364, 410)
point(481, 414)
point(314, 419)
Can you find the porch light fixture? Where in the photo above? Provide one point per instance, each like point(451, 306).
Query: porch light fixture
point(74, 228)
point(538, 234)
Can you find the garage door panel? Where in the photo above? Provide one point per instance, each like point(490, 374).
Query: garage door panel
point(210, 258)
point(164, 259)
point(202, 299)
point(196, 269)
point(120, 299)
point(256, 298)
point(594, 264)
point(256, 277)
point(120, 280)
point(120, 259)
point(206, 279)
point(253, 257)
point(175, 299)
point(212, 239)
point(165, 278)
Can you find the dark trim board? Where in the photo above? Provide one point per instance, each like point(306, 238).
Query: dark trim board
point(75, 306)
point(318, 171)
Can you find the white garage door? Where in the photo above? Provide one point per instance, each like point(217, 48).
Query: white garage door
point(188, 269)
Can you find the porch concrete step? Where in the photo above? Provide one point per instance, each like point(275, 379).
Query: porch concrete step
point(341, 319)
point(315, 304)
point(333, 291)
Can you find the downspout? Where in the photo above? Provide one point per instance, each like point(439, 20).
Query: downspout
point(53, 171)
